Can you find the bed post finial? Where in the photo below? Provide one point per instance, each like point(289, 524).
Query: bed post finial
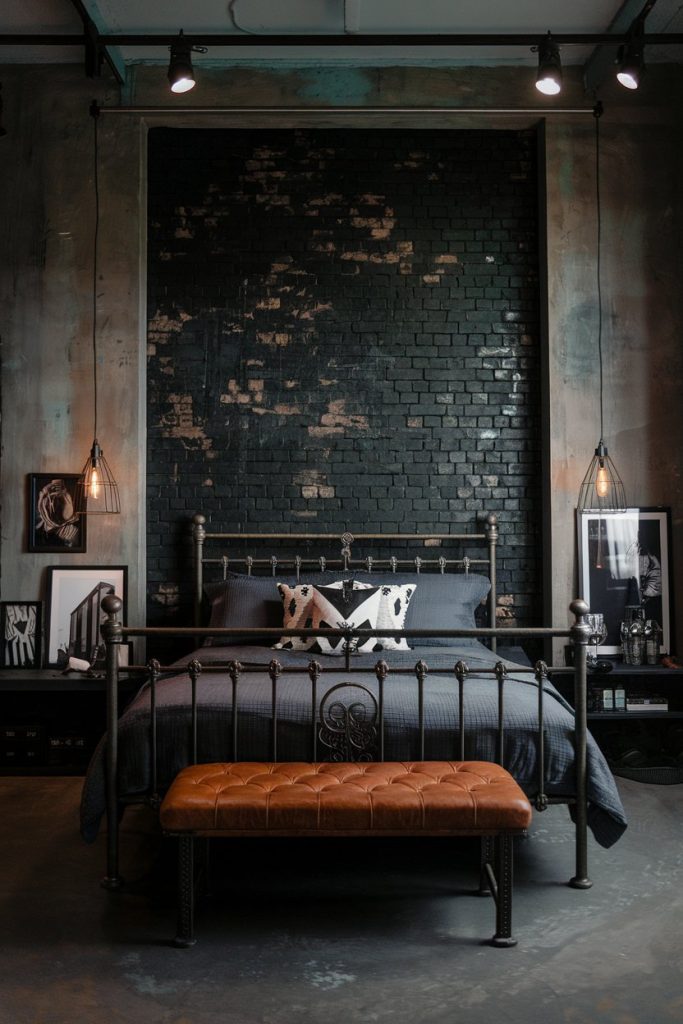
point(491, 527)
point(198, 538)
point(491, 531)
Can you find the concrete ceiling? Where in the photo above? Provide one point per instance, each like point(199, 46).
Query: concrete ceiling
point(240, 19)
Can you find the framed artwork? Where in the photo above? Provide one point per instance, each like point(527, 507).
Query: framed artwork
point(625, 559)
point(20, 624)
point(53, 526)
point(74, 613)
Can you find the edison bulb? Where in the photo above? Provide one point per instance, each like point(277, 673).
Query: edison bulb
point(602, 482)
point(94, 485)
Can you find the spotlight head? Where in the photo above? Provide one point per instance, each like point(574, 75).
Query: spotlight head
point(630, 65)
point(180, 71)
point(549, 77)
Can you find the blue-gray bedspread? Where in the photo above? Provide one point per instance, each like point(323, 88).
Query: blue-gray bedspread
point(605, 812)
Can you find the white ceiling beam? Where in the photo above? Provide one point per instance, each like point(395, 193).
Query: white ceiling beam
point(352, 16)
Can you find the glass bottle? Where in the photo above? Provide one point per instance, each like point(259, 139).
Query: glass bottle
point(651, 633)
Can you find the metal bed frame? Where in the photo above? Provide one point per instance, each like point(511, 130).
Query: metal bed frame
point(342, 734)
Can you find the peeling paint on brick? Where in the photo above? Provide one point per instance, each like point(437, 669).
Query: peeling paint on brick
point(278, 339)
point(168, 595)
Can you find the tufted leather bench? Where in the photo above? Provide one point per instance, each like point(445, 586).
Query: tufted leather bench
point(431, 798)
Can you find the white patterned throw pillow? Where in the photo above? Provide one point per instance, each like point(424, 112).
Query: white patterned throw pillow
point(393, 606)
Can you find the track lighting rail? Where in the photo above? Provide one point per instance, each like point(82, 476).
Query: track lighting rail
point(348, 40)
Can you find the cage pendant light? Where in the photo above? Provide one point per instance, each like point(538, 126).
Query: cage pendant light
point(97, 492)
point(601, 488)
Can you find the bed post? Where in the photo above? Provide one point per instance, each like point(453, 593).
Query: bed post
point(111, 631)
point(198, 538)
point(491, 530)
point(580, 634)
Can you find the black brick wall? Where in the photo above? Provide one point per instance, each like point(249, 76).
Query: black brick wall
point(343, 333)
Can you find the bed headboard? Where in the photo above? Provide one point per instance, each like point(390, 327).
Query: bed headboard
point(344, 558)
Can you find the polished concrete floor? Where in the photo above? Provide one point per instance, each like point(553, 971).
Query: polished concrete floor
point(325, 932)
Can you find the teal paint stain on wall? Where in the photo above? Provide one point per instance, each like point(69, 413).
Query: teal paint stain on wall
point(337, 86)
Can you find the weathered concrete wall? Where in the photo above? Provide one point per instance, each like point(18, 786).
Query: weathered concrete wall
point(46, 211)
point(46, 262)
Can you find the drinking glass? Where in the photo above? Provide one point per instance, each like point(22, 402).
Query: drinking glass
point(598, 634)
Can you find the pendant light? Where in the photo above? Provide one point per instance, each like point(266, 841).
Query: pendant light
point(97, 492)
point(602, 488)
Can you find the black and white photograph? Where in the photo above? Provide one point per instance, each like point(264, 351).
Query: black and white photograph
point(624, 561)
point(53, 525)
point(20, 623)
point(74, 614)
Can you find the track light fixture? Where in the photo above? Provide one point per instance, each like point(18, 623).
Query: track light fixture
point(549, 77)
point(630, 58)
point(180, 70)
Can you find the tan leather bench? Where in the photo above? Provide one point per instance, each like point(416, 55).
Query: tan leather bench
point(430, 798)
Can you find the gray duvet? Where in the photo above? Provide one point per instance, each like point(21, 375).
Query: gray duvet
point(605, 812)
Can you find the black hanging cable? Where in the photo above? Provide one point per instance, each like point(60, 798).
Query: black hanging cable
point(94, 110)
point(601, 487)
point(597, 114)
point(97, 492)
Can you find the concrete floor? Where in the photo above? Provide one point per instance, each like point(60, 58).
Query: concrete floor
point(338, 932)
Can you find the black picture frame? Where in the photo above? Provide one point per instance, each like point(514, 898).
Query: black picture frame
point(73, 617)
point(20, 628)
point(53, 528)
point(625, 559)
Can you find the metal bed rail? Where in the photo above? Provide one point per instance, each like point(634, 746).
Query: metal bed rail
point(345, 737)
point(346, 561)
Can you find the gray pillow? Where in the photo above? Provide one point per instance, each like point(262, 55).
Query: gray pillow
point(254, 601)
point(441, 601)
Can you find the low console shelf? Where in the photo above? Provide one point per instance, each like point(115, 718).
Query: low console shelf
point(50, 723)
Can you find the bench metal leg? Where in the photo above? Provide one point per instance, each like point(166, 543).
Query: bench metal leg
point(503, 936)
point(486, 856)
point(185, 934)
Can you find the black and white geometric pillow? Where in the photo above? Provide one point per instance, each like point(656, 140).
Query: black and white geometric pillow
point(335, 608)
point(393, 606)
point(298, 608)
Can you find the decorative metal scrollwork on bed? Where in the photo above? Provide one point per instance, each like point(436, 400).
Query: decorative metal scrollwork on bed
point(349, 730)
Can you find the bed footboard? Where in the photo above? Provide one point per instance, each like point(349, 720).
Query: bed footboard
point(320, 731)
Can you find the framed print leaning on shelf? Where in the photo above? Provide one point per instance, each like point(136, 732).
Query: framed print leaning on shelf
point(53, 526)
point(625, 559)
point(74, 615)
point(20, 626)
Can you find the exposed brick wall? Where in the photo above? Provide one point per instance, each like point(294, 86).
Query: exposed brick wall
point(343, 333)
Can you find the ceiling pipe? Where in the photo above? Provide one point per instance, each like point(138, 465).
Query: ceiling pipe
point(440, 111)
point(353, 39)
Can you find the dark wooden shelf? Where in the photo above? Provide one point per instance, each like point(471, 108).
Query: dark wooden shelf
point(66, 716)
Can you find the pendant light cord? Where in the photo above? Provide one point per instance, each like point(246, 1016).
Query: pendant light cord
point(597, 114)
point(94, 110)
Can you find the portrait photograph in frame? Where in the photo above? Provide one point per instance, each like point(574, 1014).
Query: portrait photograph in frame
point(74, 614)
point(53, 526)
point(625, 559)
point(20, 623)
